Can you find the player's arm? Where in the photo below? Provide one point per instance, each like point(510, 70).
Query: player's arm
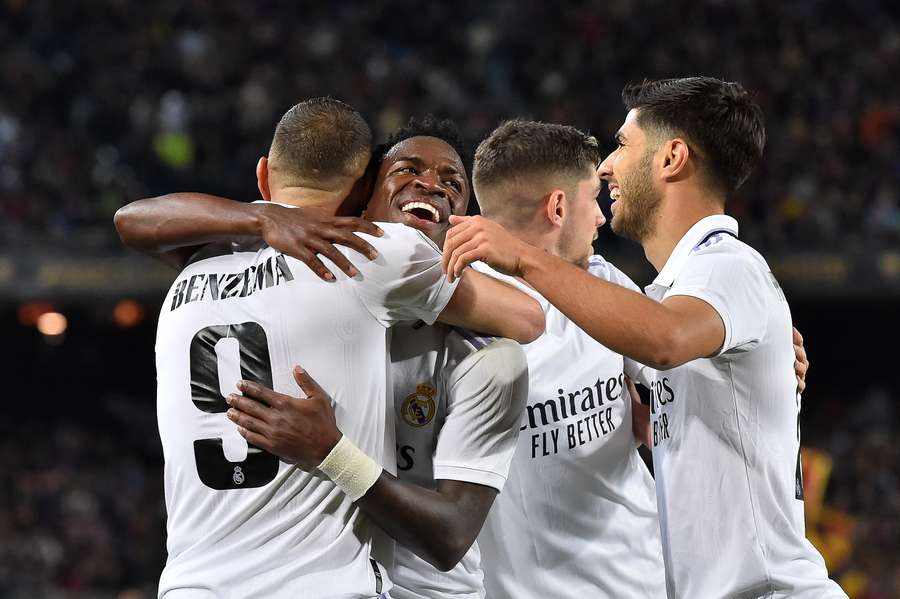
point(171, 227)
point(439, 525)
point(405, 283)
point(484, 304)
point(661, 335)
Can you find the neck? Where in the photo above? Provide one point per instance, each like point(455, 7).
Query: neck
point(309, 197)
point(546, 240)
point(676, 215)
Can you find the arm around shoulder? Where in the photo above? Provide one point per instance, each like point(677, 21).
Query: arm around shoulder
point(484, 304)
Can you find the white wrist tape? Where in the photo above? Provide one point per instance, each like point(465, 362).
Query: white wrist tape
point(350, 469)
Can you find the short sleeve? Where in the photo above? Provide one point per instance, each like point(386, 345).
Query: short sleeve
point(735, 286)
point(405, 282)
point(487, 392)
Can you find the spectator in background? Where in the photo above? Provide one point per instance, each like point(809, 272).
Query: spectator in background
point(103, 99)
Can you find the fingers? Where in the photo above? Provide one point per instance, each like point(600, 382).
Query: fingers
point(262, 393)
point(355, 242)
point(463, 259)
point(355, 223)
point(798, 338)
point(458, 220)
point(801, 385)
point(256, 439)
point(461, 245)
point(247, 422)
point(800, 353)
point(249, 406)
point(332, 253)
point(307, 384)
point(312, 261)
point(455, 237)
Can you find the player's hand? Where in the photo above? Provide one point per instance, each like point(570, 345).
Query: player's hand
point(301, 431)
point(801, 362)
point(304, 233)
point(640, 416)
point(473, 238)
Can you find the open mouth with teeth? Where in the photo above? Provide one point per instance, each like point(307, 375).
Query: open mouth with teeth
point(422, 210)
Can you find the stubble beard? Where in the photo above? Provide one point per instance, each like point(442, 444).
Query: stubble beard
point(635, 218)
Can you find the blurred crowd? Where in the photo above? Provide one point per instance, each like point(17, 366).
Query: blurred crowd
point(85, 517)
point(106, 101)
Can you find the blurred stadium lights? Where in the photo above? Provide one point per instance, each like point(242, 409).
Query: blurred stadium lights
point(52, 324)
point(128, 313)
point(30, 313)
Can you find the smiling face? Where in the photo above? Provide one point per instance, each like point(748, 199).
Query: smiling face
point(420, 183)
point(629, 172)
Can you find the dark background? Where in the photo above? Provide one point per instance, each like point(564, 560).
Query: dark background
point(104, 102)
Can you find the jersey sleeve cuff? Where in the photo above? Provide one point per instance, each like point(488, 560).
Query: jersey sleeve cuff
point(713, 300)
point(442, 298)
point(469, 475)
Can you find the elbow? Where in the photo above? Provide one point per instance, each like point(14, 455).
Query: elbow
point(450, 552)
point(532, 324)
point(664, 354)
point(125, 221)
point(120, 220)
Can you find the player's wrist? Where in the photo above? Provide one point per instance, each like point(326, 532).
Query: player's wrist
point(350, 469)
point(530, 260)
point(261, 219)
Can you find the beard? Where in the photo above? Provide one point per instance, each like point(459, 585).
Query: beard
point(638, 202)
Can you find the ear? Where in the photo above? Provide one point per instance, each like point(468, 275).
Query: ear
point(675, 159)
point(262, 178)
point(555, 207)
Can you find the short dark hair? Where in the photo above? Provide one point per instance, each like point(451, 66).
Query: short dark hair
point(320, 139)
point(520, 148)
point(718, 117)
point(427, 126)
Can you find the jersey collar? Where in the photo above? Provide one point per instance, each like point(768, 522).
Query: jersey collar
point(694, 237)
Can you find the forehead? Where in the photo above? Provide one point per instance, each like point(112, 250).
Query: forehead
point(630, 127)
point(430, 150)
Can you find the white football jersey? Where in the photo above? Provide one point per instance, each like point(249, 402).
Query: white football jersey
point(578, 516)
point(726, 447)
point(240, 522)
point(458, 400)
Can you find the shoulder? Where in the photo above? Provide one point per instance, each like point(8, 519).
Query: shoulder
point(496, 359)
point(724, 251)
point(603, 269)
point(400, 233)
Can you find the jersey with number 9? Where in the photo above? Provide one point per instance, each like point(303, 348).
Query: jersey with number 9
point(241, 522)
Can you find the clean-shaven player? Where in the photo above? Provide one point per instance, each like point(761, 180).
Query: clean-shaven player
point(242, 523)
point(725, 408)
point(578, 515)
point(458, 396)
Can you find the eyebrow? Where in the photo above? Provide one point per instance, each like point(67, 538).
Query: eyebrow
point(418, 160)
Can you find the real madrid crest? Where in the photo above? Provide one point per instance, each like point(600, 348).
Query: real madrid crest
point(418, 408)
point(238, 476)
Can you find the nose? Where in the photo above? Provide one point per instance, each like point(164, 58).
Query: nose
point(599, 217)
point(430, 182)
point(604, 171)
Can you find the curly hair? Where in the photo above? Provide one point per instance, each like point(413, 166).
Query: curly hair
point(427, 126)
